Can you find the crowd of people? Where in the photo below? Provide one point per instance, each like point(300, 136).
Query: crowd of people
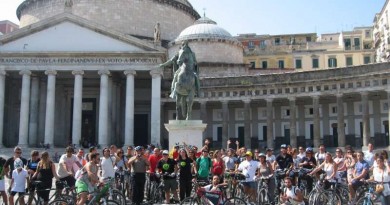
point(183, 164)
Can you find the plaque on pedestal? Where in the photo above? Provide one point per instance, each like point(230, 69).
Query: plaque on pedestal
point(188, 131)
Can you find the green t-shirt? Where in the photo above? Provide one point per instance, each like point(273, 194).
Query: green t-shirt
point(204, 164)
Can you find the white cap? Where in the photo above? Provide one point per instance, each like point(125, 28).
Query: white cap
point(165, 152)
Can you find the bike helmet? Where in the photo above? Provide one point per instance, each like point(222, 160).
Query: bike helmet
point(309, 150)
point(18, 163)
point(138, 148)
point(262, 155)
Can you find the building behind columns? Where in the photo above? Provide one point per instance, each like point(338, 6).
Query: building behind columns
point(87, 72)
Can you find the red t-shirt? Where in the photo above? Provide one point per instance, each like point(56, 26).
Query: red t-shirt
point(175, 155)
point(153, 159)
point(217, 167)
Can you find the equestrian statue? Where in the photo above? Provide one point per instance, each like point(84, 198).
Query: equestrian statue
point(185, 84)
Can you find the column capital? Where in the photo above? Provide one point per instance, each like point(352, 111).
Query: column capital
point(364, 93)
point(25, 72)
point(224, 102)
point(269, 100)
point(246, 101)
point(104, 72)
point(2, 72)
point(339, 95)
point(315, 97)
point(130, 72)
point(78, 72)
point(51, 72)
point(292, 98)
point(156, 73)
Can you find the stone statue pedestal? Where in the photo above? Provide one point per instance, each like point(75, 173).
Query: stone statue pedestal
point(188, 131)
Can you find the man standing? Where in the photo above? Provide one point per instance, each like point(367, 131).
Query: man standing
point(153, 160)
point(107, 165)
point(65, 167)
point(369, 154)
point(248, 167)
point(9, 164)
point(168, 168)
point(80, 158)
point(139, 166)
point(359, 174)
point(203, 165)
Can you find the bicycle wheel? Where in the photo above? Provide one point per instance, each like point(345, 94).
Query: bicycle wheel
point(110, 202)
point(328, 198)
point(69, 199)
point(58, 202)
point(364, 201)
point(190, 201)
point(117, 196)
point(312, 196)
point(263, 197)
point(26, 199)
point(234, 201)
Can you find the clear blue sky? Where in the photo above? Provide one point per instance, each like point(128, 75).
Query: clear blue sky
point(271, 16)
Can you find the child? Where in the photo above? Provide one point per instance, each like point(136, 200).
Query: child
point(18, 182)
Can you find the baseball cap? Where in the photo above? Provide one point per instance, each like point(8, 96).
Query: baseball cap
point(249, 153)
point(261, 155)
point(283, 146)
point(165, 152)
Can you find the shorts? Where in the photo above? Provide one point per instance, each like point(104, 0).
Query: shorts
point(81, 187)
point(251, 185)
point(70, 180)
point(356, 184)
point(2, 185)
point(13, 193)
point(170, 185)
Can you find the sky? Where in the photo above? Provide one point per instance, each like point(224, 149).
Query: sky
point(271, 16)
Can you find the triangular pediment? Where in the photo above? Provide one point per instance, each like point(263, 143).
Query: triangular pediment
point(69, 33)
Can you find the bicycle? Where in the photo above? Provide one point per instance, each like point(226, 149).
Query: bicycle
point(155, 190)
point(113, 193)
point(263, 195)
point(30, 198)
point(370, 197)
point(329, 196)
point(212, 198)
point(99, 197)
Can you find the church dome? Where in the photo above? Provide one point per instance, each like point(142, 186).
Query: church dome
point(130, 17)
point(205, 28)
point(210, 43)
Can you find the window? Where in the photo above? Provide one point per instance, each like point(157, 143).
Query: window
point(315, 63)
point(287, 112)
point(277, 41)
point(368, 34)
point(356, 41)
point(298, 63)
point(347, 44)
point(281, 63)
point(332, 62)
point(367, 59)
point(311, 111)
point(334, 110)
point(262, 44)
point(264, 64)
point(349, 61)
point(308, 38)
point(252, 65)
point(251, 45)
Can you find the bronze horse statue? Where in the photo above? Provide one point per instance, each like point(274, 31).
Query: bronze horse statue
point(184, 83)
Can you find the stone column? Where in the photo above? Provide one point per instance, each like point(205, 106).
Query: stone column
point(50, 106)
point(24, 108)
point(203, 116)
point(2, 90)
point(225, 123)
point(77, 106)
point(156, 106)
point(103, 108)
point(316, 121)
point(247, 124)
point(366, 119)
point(388, 110)
point(129, 113)
point(34, 99)
point(340, 120)
point(293, 122)
point(270, 124)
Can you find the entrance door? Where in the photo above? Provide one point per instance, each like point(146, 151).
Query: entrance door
point(335, 135)
point(241, 135)
point(141, 129)
point(88, 122)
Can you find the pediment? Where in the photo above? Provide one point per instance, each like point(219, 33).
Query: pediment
point(69, 33)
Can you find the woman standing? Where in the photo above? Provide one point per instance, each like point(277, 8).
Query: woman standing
point(381, 174)
point(350, 161)
point(265, 170)
point(185, 166)
point(339, 160)
point(218, 165)
point(329, 167)
point(45, 173)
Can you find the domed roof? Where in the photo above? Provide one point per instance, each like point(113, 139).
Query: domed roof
point(204, 28)
point(185, 2)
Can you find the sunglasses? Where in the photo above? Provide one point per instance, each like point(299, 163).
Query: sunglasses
point(18, 152)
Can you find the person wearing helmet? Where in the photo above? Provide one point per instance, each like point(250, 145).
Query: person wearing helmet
point(138, 165)
point(65, 167)
point(307, 162)
point(9, 164)
point(18, 182)
point(266, 171)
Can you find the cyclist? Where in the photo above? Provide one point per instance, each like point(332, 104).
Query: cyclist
point(266, 170)
point(9, 164)
point(107, 164)
point(87, 179)
point(291, 194)
point(360, 173)
point(139, 166)
point(381, 174)
point(283, 161)
point(218, 165)
point(341, 167)
point(369, 154)
point(320, 155)
point(230, 161)
point(2, 182)
point(18, 181)
point(31, 167)
point(185, 165)
point(329, 167)
point(248, 168)
point(270, 157)
point(213, 190)
point(308, 162)
point(120, 166)
point(65, 167)
point(169, 169)
point(301, 153)
point(203, 166)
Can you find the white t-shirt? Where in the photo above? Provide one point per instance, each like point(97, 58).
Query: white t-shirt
point(270, 159)
point(69, 162)
point(107, 166)
point(320, 157)
point(292, 193)
point(20, 179)
point(382, 177)
point(369, 157)
point(248, 169)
